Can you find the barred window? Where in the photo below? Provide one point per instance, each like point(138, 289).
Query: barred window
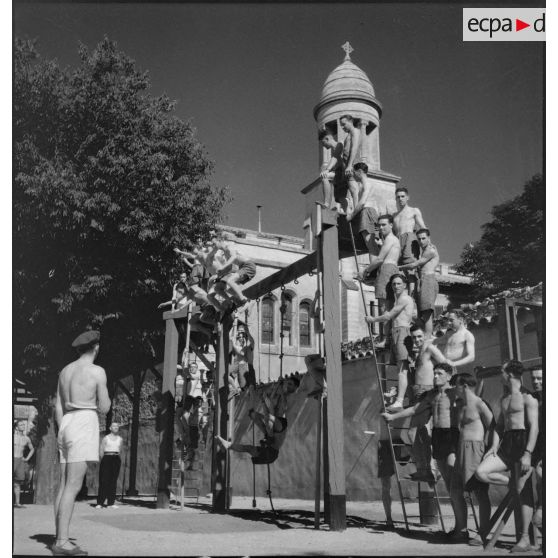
point(287, 317)
point(268, 320)
point(305, 329)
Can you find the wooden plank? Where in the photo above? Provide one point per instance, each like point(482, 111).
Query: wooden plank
point(166, 415)
point(282, 277)
point(201, 356)
point(124, 389)
point(332, 344)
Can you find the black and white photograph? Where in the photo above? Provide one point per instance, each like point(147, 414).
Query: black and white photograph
point(278, 278)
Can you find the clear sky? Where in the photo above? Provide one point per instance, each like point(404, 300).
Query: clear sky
point(462, 122)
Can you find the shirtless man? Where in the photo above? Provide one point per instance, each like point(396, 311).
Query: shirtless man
point(179, 300)
point(234, 279)
point(271, 422)
point(82, 390)
point(386, 264)
point(315, 366)
point(475, 420)
point(400, 315)
point(538, 452)
point(406, 220)
point(241, 372)
point(333, 172)
point(364, 213)
point(351, 147)
point(426, 355)
point(21, 441)
point(459, 346)
point(428, 291)
point(439, 403)
point(520, 424)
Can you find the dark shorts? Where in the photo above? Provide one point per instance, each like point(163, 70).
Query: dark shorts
point(538, 452)
point(282, 424)
point(444, 442)
point(20, 469)
point(246, 272)
point(367, 220)
point(512, 447)
point(385, 460)
point(428, 292)
point(266, 454)
point(407, 255)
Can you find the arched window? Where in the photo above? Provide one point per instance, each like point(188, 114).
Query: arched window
point(268, 320)
point(305, 329)
point(286, 310)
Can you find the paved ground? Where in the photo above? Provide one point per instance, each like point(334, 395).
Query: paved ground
point(138, 529)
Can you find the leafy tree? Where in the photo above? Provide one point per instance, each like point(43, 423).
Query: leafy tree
point(511, 250)
point(106, 181)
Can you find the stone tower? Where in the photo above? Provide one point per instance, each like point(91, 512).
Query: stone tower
point(348, 90)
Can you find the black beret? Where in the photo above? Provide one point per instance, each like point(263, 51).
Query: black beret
point(86, 338)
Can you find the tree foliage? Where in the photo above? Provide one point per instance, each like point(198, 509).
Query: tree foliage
point(106, 181)
point(511, 250)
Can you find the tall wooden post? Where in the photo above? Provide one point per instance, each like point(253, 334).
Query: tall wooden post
point(220, 470)
point(332, 342)
point(165, 421)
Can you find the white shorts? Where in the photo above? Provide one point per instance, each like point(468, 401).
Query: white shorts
point(78, 438)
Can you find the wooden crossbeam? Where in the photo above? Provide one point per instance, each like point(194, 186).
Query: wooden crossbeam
point(123, 388)
point(201, 356)
point(305, 265)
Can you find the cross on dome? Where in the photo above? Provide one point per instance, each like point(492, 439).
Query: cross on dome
point(348, 49)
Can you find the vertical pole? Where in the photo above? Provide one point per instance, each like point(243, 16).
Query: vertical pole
point(219, 484)
point(332, 343)
point(166, 422)
point(318, 465)
point(134, 435)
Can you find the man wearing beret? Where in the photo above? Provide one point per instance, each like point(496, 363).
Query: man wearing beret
point(82, 390)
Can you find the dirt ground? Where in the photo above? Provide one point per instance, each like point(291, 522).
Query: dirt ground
point(136, 528)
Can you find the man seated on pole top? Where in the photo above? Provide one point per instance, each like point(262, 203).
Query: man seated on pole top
point(406, 220)
point(428, 289)
point(333, 176)
point(518, 424)
point(82, 390)
point(400, 316)
point(364, 214)
point(272, 423)
point(386, 265)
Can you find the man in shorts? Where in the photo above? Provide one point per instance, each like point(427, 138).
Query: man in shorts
point(351, 148)
point(364, 214)
point(82, 391)
point(272, 423)
point(519, 422)
point(21, 441)
point(400, 317)
point(538, 452)
point(428, 289)
point(458, 345)
point(440, 404)
point(406, 220)
point(475, 421)
point(333, 179)
point(385, 265)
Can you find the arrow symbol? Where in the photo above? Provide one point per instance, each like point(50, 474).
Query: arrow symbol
point(519, 25)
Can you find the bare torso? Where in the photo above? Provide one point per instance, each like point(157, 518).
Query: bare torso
point(513, 409)
point(77, 385)
point(405, 317)
point(391, 244)
point(429, 268)
point(442, 409)
point(455, 347)
point(404, 220)
point(469, 418)
point(424, 371)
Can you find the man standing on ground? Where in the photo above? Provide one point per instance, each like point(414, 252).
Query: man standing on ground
point(111, 446)
point(459, 346)
point(21, 441)
point(475, 420)
point(386, 264)
point(406, 220)
point(519, 423)
point(364, 214)
point(440, 403)
point(82, 390)
point(428, 290)
point(538, 452)
point(401, 315)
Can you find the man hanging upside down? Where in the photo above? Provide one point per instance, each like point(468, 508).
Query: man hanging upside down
point(272, 422)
